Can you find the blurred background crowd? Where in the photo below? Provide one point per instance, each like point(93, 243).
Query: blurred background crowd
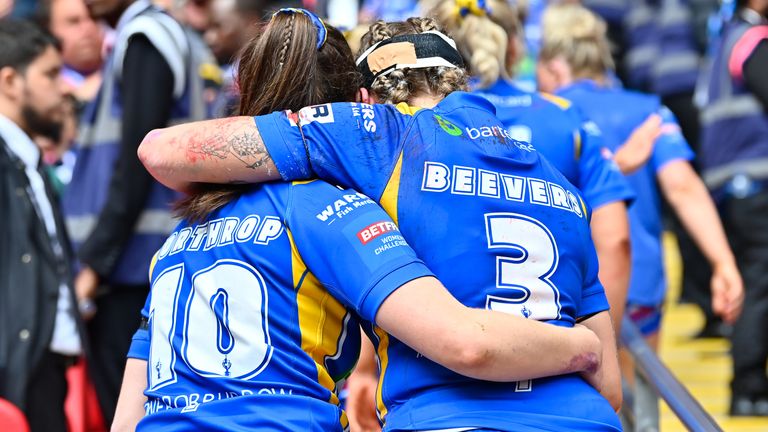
point(130, 66)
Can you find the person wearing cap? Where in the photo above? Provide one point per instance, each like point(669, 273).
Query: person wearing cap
point(500, 227)
point(251, 323)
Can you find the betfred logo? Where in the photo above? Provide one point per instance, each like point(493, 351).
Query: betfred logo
point(374, 230)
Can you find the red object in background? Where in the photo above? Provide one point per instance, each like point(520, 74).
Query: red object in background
point(11, 418)
point(81, 406)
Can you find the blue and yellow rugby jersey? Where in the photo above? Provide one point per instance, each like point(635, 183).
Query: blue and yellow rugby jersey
point(618, 112)
point(499, 226)
point(252, 314)
point(557, 130)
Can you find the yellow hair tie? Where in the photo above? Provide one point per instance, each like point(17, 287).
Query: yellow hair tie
point(474, 7)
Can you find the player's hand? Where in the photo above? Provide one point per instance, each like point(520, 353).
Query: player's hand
point(593, 372)
point(86, 283)
point(361, 402)
point(727, 291)
point(638, 148)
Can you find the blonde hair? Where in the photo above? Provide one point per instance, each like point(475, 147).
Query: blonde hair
point(482, 38)
point(403, 84)
point(577, 35)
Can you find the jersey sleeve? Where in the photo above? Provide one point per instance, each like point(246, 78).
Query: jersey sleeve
point(350, 144)
point(593, 299)
point(139, 348)
point(671, 145)
point(600, 180)
point(350, 245)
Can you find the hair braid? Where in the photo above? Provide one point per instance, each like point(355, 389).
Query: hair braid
point(286, 42)
point(402, 85)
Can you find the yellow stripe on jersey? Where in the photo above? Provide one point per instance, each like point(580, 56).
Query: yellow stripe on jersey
point(576, 144)
point(301, 182)
point(404, 108)
point(383, 363)
point(321, 319)
point(152, 265)
point(584, 208)
point(388, 199)
point(557, 100)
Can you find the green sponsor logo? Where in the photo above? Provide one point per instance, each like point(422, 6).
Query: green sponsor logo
point(448, 127)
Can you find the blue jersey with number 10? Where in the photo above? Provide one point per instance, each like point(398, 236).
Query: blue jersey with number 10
point(499, 226)
point(252, 312)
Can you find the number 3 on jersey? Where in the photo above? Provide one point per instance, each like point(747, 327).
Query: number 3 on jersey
point(522, 273)
point(223, 331)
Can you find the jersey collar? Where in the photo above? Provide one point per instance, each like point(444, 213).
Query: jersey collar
point(458, 99)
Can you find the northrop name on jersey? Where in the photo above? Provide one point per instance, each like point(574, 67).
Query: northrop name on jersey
point(463, 180)
point(343, 206)
point(222, 232)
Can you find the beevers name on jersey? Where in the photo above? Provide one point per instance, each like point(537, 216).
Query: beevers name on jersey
point(464, 180)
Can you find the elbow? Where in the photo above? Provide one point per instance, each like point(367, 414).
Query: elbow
point(677, 192)
point(471, 358)
point(147, 151)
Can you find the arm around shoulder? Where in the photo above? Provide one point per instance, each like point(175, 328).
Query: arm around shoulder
point(483, 344)
point(227, 150)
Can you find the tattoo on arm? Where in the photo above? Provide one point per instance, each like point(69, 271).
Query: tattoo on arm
point(245, 145)
point(249, 149)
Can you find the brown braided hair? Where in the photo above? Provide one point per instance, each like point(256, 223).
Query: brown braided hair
point(282, 69)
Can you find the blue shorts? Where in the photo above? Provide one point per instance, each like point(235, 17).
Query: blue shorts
point(646, 318)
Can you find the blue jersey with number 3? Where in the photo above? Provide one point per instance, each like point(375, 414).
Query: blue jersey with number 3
point(499, 226)
point(252, 313)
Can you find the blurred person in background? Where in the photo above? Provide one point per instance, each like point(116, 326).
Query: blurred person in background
point(40, 335)
point(117, 215)
point(6, 7)
point(82, 42)
point(575, 61)
point(232, 24)
point(734, 166)
point(663, 57)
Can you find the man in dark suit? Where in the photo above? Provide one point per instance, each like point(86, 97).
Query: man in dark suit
point(39, 323)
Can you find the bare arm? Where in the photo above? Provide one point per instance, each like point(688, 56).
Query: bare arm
point(635, 152)
point(213, 151)
point(611, 375)
point(130, 404)
point(610, 232)
point(483, 344)
point(690, 199)
point(361, 391)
